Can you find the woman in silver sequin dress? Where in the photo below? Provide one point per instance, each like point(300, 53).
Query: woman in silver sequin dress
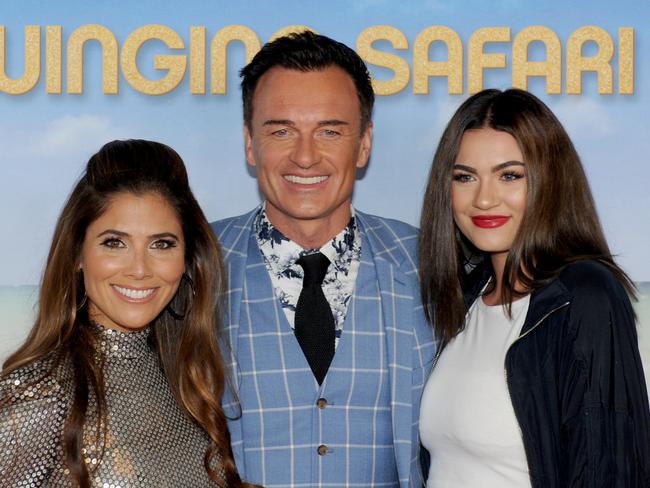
point(119, 382)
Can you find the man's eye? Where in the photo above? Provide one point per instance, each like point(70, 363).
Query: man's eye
point(330, 133)
point(113, 243)
point(280, 132)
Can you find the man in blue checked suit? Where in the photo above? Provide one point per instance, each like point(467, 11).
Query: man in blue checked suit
point(329, 347)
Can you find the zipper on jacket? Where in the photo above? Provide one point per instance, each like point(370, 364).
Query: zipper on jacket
point(507, 378)
point(537, 323)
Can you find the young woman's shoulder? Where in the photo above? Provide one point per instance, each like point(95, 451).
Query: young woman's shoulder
point(601, 317)
point(590, 281)
point(600, 307)
point(605, 391)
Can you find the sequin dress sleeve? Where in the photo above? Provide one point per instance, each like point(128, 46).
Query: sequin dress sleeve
point(148, 440)
point(32, 415)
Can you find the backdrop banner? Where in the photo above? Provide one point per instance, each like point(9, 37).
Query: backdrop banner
point(77, 74)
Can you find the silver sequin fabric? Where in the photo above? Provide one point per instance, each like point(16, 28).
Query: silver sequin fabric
point(150, 441)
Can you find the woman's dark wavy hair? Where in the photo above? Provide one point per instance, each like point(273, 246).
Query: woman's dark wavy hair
point(187, 346)
point(560, 227)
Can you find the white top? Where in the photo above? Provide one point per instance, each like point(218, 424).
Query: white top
point(467, 422)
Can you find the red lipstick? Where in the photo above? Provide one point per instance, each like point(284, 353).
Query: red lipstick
point(489, 221)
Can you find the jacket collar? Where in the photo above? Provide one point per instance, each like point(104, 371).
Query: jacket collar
point(542, 300)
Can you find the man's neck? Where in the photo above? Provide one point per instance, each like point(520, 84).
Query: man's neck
point(309, 233)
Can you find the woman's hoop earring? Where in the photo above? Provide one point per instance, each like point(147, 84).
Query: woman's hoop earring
point(83, 301)
point(80, 278)
point(180, 316)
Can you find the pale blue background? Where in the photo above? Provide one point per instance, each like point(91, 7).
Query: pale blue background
point(45, 140)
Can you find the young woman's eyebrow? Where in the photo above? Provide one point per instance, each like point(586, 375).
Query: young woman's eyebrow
point(495, 169)
point(463, 167)
point(507, 164)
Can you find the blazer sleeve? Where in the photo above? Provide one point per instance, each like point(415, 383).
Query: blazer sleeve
point(32, 417)
point(607, 436)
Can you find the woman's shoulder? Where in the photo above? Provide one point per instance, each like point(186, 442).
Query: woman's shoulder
point(34, 403)
point(47, 379)
point(592, 281)
point(600, 307)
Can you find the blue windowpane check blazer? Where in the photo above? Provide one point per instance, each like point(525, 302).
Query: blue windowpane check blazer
point(410, 344)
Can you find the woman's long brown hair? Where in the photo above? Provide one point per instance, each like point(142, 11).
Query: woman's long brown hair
point(560, 226)
point(188, 345)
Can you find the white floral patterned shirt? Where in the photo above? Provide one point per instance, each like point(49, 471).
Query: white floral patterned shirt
point(280, 255)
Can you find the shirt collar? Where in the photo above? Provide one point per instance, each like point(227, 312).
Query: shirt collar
point(286, 252)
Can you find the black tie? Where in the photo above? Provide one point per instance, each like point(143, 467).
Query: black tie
point(314, 322)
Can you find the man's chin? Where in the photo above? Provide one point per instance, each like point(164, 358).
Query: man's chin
point(307, 213)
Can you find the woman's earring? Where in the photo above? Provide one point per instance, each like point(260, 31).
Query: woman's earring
point(188, 301)
point(83, 301)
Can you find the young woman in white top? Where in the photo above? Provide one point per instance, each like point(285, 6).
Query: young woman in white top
point(539, 380)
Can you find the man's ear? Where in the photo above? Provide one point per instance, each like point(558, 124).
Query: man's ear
point(365, 146)
point(248, 146)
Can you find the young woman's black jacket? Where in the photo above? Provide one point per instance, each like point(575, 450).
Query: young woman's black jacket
point(576, 383)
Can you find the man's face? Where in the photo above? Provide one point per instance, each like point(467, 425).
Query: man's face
point(306, 143)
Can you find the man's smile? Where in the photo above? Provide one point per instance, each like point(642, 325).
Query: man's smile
point(305, 180)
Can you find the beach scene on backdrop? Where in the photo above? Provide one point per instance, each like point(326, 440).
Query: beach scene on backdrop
point(17, 304)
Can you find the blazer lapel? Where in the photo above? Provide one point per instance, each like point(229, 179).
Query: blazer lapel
point(234, 240)
point(393, 286)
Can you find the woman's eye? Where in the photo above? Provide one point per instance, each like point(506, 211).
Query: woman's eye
point(163, 244)
point(113, 243)
point(511, 176)
point(462, 177)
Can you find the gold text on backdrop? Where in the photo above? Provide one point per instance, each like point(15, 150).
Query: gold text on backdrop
point(421, 69)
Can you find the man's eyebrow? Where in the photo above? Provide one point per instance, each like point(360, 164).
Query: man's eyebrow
point(279, 122)
point(332, 122)
point(290, 123)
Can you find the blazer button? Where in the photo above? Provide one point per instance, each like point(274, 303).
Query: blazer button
point(321, 403)
point(322, 450)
